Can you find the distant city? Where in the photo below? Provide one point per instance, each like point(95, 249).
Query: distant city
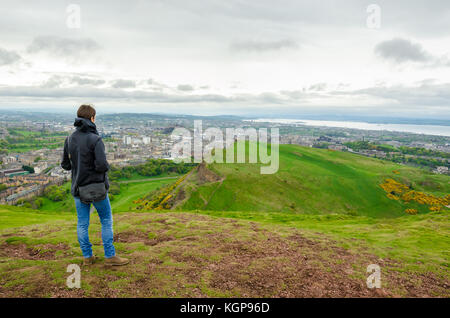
point(31, 144)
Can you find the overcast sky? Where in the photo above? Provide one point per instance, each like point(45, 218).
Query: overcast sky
point(250, 57)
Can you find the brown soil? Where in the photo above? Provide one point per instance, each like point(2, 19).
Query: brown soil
point(181, 195)
point(138, 236)
point(276, 267)
point(205, 175)
point(130, 236)
point(295, 266)
point(37, 252)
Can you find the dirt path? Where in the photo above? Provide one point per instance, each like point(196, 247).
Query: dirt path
point(214, 192)
point(204, 175)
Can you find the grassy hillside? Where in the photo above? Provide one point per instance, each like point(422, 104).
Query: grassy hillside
point(309, 230)
point(419, 242)
point(130, 190)
point(14, 217)
point(313, 181)
point(193, 255)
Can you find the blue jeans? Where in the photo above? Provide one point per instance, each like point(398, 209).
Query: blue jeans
point(104, 212)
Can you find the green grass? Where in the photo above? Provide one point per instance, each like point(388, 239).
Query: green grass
point(313, 181)
point(24, 140)
point(24, 133)
point(417, 245)
point(12, 217)
point(410, 238)
point(133, 191)
point(25, 147)
point(137, 177)
point(121, 203)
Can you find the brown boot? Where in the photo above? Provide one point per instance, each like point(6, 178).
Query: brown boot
point(89, 260)
point(116, 261)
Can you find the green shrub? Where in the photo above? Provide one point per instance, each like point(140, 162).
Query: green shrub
point(28, 168)
point(37, 203)
point(55, 193)
point(153, 167)
point(114, 188)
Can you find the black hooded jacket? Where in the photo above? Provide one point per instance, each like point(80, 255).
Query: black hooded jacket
point(84, 154)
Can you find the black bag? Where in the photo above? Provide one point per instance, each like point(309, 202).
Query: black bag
point(93, 192)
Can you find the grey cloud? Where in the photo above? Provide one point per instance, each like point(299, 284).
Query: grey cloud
point(63, 47)
point(422, 95)
point(442, 61)
point(86, 81)
point(302, 94)
point(261, 46)
point(58, 80)
point(112, 94)
point(401, 50)
point(121, 83)
point(293, 94)
point(268, 98)
point(53, 82)
point(8, 57)
point(155, 85)
point(318, 87)
point(185, 87)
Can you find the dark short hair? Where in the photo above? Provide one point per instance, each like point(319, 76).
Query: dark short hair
point(86, 111)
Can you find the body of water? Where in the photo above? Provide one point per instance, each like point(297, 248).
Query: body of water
point(410, 128)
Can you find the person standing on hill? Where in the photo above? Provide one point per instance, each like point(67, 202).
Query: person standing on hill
point(84, 154)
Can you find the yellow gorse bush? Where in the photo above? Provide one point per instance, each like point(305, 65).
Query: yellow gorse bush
point(162, 200)
point(411, 211)
point(393, 187)
point(398, 191)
